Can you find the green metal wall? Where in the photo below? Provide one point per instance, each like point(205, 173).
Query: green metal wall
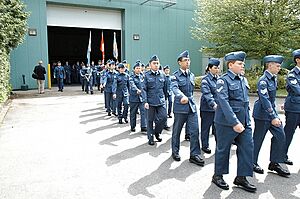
point(164, 32)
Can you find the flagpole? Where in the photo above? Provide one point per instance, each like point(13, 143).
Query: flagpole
point(89, 49)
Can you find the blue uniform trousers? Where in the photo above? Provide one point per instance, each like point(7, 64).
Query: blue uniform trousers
point(60, 83)
point(88, 85)
point(225, 136)
point(122, 101)
point(169, 102)
point(207, 121)
point(159, 115)
point(292, 121)
point(191, 120)
point(277, 152)
point(110, 103)
point(134, 106)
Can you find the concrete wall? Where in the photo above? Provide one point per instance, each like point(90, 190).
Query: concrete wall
point(165, 32)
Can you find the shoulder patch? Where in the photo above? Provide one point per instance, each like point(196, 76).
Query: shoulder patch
point(294, 82)
point(219, 89)
point(263, 91)
point(220, 81)
point(204, 81)
point(173, 77)
point(262, 83)
point(291, 75)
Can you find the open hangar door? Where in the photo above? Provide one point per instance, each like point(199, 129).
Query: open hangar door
point(69, 31)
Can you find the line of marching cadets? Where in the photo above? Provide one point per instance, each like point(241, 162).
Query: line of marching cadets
point(224, 107)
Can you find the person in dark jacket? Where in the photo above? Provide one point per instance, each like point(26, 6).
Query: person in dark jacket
point(40, 71)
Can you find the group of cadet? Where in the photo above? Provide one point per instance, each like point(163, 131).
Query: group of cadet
point(224, 108)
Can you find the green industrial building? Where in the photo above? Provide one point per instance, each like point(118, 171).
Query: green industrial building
point(58, 30)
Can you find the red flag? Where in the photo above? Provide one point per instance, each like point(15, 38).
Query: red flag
point(102, 48)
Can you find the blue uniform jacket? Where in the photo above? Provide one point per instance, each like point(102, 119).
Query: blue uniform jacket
point(232, 100)
point(59, 72)
point(264, 107)
point(108, 80)
point(136, 82)
point(292, 101)
point(208, 90)
point(155, 88)
point(121, 85)
point(181, 86)
point(168, 82)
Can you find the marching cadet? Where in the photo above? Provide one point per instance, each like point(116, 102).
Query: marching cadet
point(232, 122)
point(169, 91)
point(185, 111)
point(266, 117)
point(89, 80)
point(137, 98)
point(155, 92)
point(208, 103)
point(94, 73)
point(292, 103)
point(108, 80)
point(60, 75)
point(98, 74)
point(120, 93)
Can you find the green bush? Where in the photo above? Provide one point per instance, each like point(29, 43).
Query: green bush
point(13, 27)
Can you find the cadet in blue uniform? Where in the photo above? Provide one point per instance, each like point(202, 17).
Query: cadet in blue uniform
point(232, 122)
point(208, 103)
point(137, 97)
point(89, 80)
point(169, 91)
point(292, 103)
point(108, 81)
point(266, 118)
point(185, 111)
point(60, 75)
point(98, 69)
point(155, 92)
point(120, 93)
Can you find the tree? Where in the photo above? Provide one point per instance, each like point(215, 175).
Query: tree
point(13, 26)
point(258, 27)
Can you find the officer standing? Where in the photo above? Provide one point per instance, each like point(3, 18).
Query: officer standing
point(169, 91)
point(155, 91)
point(120, 93)
point(89, 80)
point(94, 74)
point(137, 98)
point(266, 118)
point(60, 75)
point(292, 103)
point(68, 70)
point(98, 74)
point(108, 80)
point(232, 122)
point(208, 103)
point(185, 111)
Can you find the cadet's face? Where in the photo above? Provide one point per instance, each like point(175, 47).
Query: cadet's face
point(214, 70)
point(154, 65)
point(137, 70)
point(185, 63)
point(167, 71)
point(237, 67)
point(274, 68)
point(112, 66)
point(122, 70)
point(298, 61)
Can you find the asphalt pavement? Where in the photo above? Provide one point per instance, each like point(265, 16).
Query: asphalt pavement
point(64, 146)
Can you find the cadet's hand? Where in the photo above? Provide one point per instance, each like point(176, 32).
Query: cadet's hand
point(114, 96)
point(215, 107)
point(239, 128)
point(184, 100)
point(276, 122)
point(138, 91)
point(146, 106)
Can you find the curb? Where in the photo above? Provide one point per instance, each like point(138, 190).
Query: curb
point(4, 109)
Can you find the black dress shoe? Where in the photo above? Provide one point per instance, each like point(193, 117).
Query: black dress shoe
point(126, 120)
point(158, 138)
point(219, 181)
point(257, 169)
point(176, 157)
point(187, 138)
point(167, 128)
point(288, 161)
point(115, 114)
point(280, 171)
point(132, 129)
point(206, 150)
point(151, 142)
point(196, 159)
point(169, 116)
point(244, 184)
point(120, 121)
point(144, 129)
point(109, 114)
